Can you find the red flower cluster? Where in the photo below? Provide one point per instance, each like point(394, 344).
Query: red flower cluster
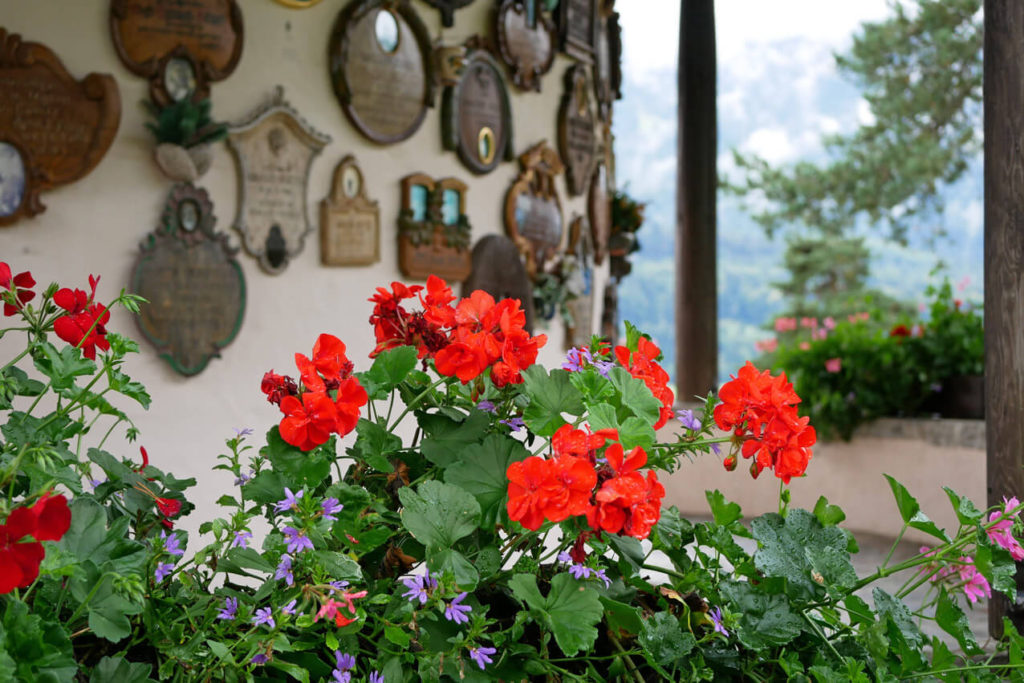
point(762, 408)
point(331, 397)
point(614, 497)
point(18, 286)
point(642, 365)
point(47, 520)
point(465, 340)
point(83, 326)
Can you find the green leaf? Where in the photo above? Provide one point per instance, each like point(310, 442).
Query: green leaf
point(62, 367)
point(550, 396)
point(907, 504)
point(389, 369)
point(953, 621)
point(633, 431)
point(118, 670)
point(42, 649)
point(664, 640)
point(297, 466)
point(438, 514)
point(724, 512)
point(571, 611)
point(827, 514)
point(997, 566)
point(481, 471)
point(635, 395)
point(339, 565)
point(892, 609)
point(966, 513)
point(452, 561)
point(246, 558)
point(447, 438)
point(108, 612)
point(374, 444)
point(398, 635)
point(766, 620)
point(860, 612)
point(622, 619)
point(797, 548)
point(123, 384)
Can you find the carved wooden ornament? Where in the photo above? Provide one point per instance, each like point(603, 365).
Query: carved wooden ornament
point(274, 149)
point(533, 214)
point(433, 230)
point(577, 24)
point(526, 41)
point(448, 8)
point(195, 287)
point(577, 141)
point(181, 47)
point(608, 60)
point(578, 270)
point(599, 211)
point(381, 68)
point(476, 119)
point(498, 270)
point(53, 129)
point(349, 221)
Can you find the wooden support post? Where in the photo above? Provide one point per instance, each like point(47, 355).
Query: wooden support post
point(696, 185)
point(1004, 264)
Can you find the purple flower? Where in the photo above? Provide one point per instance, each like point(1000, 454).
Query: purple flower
point(297, 540)
point(580, 571)
point(241, 539)
point(260, 658)
point(599, 574)
point(716, 618)
point(487, 407)
point(376, 677)
point(163, 569)
point(96, 483)
point(171, 544)
point(716, 448)
point(242, 478)
point(289, 608)
point(688, 419)
point(417, 588)
point(239, 433)
point(604, 367)
point(564, 557)
point(331, 506)
point(284, 570)
point(344, 660)
point(264, 616)
point(338, 585)
point(513, 423)
point(290, 501)
point(481, 655)
point(340, 676)
point(574, 361)
point(457, 612)
point(229, 610)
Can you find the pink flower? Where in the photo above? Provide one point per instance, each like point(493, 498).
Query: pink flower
point(830, 323)
point(975, 585)
point(809, 323)
point(834, 364)
point(1001, 532)
point(805, 346)
point(819, 334)
point(785, 324)
point(766, 345)
point(962, 285)
point(922, 307)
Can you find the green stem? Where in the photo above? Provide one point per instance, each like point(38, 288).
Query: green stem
point(899, 537)
point(88, 598)
point(416, 399)
point(626, 658)
point(668, 572)
point(961, 669)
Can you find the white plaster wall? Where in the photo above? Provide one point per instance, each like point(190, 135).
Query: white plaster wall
point(96, 224)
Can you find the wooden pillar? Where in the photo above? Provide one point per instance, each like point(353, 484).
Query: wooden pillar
point(1004, 263)
point(696, 185)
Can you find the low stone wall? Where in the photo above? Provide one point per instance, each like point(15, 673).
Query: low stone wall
point(923, 454)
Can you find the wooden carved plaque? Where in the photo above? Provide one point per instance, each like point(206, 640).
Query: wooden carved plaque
point(476, 119)
point(526, 41)
point(448, 8)
point(349, 221)
point(577, 27)
point(381, 68)
point(599, 211)
point(274, 149)
point(577, 141)
point(578, 270)
point(533, 214)
point(181, 46)
point(53, 129)
point(498, 270)
point(194, 285)
point(608, 60)
point(433, 230)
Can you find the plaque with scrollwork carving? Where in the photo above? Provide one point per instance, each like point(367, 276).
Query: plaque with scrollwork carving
point(476, 119)
point(526, 41)
point(533, 214)
point(577, 140)
point(54, 129)
point(195, 287)
point(181, 46)
point(433, 229)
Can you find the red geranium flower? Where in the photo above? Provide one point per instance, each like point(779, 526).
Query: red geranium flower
point(570, 441)
point(572, 483)
point(276, 387)
point(19, 286)
point(47, 520)
point(643, 365)
point(308, 423)
point(351, 397)
point(52, 517)
point(529, 485)
point(460, 360)
point(84, 325)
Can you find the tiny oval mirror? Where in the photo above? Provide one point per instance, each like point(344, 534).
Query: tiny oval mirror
point(386, 31)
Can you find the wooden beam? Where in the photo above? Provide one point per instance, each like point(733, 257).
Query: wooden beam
point(696, 185)
point(1004, 264)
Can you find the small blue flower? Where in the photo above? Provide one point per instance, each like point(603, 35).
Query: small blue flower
point(260, 658)
point(688, 419)
point(564, 557)
point(604, 367)
point(297, 540)
point(599, 574)
point(457, 612)
point(376, 677)
point(289, 502)
point(163, 570)
point(289, 608)
point(580, 571)
point(716, 618)
point(171, 544)
point(229, 610)
point(417, 588)
point(330, 506)
point(344, 660)
point(284, 570)
point(481, 655)
point(264, 616)
point(241, 539)
point(513, 423)
point(487, 407)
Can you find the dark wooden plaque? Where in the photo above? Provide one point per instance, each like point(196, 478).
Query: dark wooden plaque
point(433, 230)
point(476, 119)
point(578, 271)
point(381, 68)
point(577, 28)
point(526, 41)
point(498, 270)
point(181, 46)
point(195, 287)
point(53, 129)
point(274, 149)
point(533, 214)
point(448, 8)
point(608, 60)
point(577, 141)
point(349, 220)
point(599, 211)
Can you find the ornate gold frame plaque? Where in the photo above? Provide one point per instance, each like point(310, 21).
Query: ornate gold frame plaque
point(533, 214)
point(577, 140)
point(274, 149)
point(349, 220)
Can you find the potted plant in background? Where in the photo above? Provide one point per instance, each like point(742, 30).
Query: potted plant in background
point(627, 219)
point(184, 131)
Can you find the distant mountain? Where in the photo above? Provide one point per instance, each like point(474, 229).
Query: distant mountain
point(779, 103)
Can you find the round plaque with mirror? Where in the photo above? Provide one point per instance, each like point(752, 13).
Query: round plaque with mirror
point(476, 119)
point(379, 59)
